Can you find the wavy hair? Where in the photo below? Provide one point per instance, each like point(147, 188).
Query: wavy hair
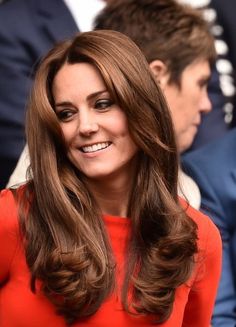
point(66, 242)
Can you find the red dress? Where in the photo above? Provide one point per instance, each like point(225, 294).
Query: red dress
point(19, 307)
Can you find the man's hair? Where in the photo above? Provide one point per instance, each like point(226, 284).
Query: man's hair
point(174, 33)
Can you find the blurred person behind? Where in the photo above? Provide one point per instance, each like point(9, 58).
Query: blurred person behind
point(213, 167)
point(221, 88)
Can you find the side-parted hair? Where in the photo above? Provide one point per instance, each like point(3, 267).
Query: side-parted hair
point(66, 242)
point(166, 30)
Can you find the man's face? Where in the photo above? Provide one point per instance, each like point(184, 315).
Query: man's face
point(189, 101)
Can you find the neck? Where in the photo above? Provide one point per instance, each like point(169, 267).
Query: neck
point(112, 196)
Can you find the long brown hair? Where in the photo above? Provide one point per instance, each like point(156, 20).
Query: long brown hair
point(66, 242)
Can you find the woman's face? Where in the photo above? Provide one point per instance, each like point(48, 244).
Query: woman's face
point(95, 128)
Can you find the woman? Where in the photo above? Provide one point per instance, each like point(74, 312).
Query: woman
point(98, 235)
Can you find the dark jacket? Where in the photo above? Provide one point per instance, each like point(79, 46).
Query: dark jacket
point(28, 29)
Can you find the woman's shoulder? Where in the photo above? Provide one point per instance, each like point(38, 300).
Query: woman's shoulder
point(9, 231)
point(8, 209)
point(9, 200)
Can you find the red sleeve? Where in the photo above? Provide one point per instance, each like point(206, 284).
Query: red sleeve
point(201, 299)
point(9, 232)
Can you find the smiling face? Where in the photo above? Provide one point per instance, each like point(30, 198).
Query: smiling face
point(95, 128)
point(189, 102)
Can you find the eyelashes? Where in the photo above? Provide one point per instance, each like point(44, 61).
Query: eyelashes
point(103, 104)
point(66, 114)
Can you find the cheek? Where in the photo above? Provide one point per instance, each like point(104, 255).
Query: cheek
point(192, 99)
point(190, 108)
point(193, 109)
point(117, 124)
point(69, 133)
point(129, 145)
point(121, 131)
point(133, 148)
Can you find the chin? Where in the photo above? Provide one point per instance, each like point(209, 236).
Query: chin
point(186, 141)
point(97, 174)
point(185, 146)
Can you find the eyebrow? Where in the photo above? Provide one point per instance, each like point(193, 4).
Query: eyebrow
point(89, 97)
point(95, 94)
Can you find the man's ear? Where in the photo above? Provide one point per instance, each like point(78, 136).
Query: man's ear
point(159, 70)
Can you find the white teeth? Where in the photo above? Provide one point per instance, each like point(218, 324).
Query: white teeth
point(95, 147)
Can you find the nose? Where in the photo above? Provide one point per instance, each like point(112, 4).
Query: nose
point(206, 105)
point(87, 123)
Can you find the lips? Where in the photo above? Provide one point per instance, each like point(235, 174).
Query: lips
point(94, 147)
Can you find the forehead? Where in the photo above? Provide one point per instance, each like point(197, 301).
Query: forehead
point(75, 78)
point(83, 71)
point(198, 69)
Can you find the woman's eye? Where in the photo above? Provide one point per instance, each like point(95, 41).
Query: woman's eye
point(103, 104)
point(64, 115)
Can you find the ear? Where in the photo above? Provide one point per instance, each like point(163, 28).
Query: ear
point(160, 72)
